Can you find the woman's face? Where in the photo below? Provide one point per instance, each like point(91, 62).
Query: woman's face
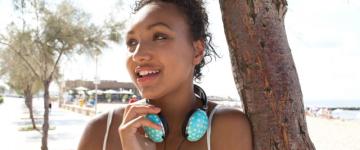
point(161, 52)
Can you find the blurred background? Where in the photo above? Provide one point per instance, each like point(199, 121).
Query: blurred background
point(92, 78)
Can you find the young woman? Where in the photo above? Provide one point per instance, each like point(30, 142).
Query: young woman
point(167, 41)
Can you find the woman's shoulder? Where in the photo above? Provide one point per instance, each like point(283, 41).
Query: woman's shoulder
point(95, 130)
point(230, 116)
point(230, 113)
point(101, 120)
point(227, 112)
point(230, 129)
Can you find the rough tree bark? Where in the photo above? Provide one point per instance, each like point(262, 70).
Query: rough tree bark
point(265, 73)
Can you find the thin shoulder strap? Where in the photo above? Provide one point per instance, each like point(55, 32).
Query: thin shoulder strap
point(208, 138)
point(108, 123)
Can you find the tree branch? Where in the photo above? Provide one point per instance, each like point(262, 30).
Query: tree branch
point(22, 57)
point(34, 59)
point(57, 61)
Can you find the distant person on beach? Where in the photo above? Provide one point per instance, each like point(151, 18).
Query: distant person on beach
point(324, 113)
point(167, 43)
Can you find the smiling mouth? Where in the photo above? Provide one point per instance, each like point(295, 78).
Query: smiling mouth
point(145, 73)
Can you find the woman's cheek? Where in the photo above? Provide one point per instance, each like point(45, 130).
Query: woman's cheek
point(130, 66)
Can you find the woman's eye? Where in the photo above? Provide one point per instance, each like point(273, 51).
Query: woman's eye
point(131, 43)
point(160, 36)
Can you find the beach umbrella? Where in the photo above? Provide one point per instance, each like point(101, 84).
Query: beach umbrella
point(80, 88)
point(81, 92)
point(126, 92)
point(111, 92)
point(99, 92)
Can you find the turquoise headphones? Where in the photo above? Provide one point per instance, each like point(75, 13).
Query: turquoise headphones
point(194, 126)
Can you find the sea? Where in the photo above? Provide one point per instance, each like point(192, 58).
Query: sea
point(332, 103)
point(337, 105)
point(339, 112)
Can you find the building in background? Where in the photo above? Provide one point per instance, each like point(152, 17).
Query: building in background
point(107, 91)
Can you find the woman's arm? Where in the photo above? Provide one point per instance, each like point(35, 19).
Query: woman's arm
point(231, 130)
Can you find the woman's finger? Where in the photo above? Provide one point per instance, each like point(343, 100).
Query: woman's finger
point(139, 110)
point(132, 126)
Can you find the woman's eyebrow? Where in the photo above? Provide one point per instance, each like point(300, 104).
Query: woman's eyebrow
point(130, 32)
point(158, 24)
point(152, 26)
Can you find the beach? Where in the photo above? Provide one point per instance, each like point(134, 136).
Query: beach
point(341, 132)
point(326, 134)
point(334, 134)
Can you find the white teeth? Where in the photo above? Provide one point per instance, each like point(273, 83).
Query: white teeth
point(144, 73)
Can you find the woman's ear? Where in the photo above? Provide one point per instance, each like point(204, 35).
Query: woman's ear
point(199, 47)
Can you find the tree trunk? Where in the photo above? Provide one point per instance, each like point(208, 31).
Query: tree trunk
point(265, 73)
point(29, 105)
point(45, 126)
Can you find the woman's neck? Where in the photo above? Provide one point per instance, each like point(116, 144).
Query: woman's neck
point(175, 106)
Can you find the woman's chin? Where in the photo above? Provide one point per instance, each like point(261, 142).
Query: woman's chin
point(149, 94)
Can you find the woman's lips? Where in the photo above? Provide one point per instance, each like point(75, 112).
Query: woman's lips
point(147, 79)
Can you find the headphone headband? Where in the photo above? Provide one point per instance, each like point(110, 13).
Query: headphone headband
point(200, 93)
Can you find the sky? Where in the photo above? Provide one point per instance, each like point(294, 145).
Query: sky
point(324, 37)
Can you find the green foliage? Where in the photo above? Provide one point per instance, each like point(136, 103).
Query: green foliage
point(1, 99)
point(125, 97)
point(114, 29)
point(108, 97)
point(20, 77)
point(2, 89)
point(64, 31)
point(30, 128)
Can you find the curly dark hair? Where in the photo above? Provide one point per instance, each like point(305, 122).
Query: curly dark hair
point(197, 19)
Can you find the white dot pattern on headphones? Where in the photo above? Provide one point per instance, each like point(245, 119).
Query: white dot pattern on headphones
point(197, 125)
point(155, 135)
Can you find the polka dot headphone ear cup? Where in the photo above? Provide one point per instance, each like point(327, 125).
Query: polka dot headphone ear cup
point(197, 125)
point(155, 135)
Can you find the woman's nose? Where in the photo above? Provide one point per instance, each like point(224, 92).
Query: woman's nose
point(141, 53)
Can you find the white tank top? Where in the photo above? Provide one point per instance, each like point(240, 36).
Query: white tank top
point(208, 133)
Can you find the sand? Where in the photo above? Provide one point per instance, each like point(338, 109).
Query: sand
point(334, 134)
point(326, 134)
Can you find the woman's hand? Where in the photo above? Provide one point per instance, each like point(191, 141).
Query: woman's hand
point(131, 132)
